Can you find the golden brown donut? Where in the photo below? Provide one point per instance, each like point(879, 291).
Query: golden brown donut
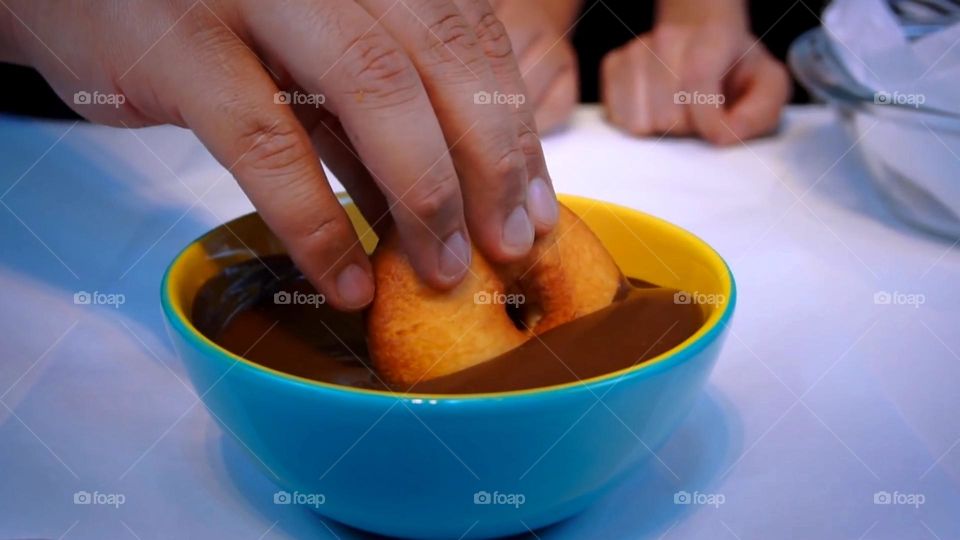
point(415, 333)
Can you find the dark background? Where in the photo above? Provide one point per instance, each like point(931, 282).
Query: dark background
point(607, 25)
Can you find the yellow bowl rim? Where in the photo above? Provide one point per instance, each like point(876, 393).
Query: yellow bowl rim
point(711, 330)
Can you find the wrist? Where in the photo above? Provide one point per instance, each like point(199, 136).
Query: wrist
point(700, 13)
point(562, 14)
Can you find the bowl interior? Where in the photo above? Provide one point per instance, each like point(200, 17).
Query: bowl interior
point(815, 63)
point(645, 247)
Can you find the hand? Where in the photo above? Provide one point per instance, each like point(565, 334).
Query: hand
point(712, 80)
point(379, 90)
point(547, 59)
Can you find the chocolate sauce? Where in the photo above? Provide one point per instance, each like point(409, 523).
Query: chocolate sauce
point(244, 310)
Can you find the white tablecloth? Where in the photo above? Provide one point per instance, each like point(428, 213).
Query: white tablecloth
point(823, 399)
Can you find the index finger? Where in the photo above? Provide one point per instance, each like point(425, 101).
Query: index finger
point(232, 108)
point(335, 48)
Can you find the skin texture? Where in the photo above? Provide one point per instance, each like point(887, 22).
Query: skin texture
point(700, 47)
point(383, 92)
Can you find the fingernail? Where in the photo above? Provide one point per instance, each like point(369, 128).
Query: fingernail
point(454, 256)
point(517, 232)
point(354, 286)
point(542, 202)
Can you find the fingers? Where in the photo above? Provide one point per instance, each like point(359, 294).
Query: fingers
point(644, 95)
point(668, 108)
point(702, 81)
point(700, 94)
point(481, 132)
point(336, 48)
point(762, 88)
point(539, 207)
point(228, 101)
point(331, 142)
point(625, 91)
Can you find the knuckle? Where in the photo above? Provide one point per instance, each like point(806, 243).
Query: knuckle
point(322, 231)
point(380, 69)
point(451, 44)
point(434, 200)
point(450, 29)
point(511, 165)
point(266, 144)
point(529, 143)
point(640, 49)
point(204, 33)
point(611, 63)
point(493, 36)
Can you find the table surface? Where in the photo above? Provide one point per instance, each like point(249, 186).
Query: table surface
point(822, 399)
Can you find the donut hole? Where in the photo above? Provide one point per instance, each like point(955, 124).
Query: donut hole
point(524, 309)
point(524, 317)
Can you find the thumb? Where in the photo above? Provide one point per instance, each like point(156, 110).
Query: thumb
point(766, 89)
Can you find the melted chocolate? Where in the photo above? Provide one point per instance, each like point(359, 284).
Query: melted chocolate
point(237, 309)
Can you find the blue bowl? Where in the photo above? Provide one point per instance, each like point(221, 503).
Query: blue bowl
point(470, 466)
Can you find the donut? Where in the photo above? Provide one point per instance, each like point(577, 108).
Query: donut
point(415, 333)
